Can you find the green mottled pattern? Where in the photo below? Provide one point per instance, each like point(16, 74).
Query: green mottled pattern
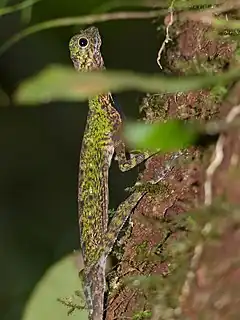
point(96, 155)
point(97, 149)
point(101, 139)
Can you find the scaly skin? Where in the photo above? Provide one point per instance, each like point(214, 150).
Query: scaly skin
point(100, 141)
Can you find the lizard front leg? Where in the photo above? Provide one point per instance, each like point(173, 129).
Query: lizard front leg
point(135, 158)
point(124, 210)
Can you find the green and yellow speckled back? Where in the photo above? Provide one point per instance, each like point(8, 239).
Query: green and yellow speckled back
point(97, 150)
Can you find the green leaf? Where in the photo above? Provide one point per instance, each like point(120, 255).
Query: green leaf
point(60, 281)
point(167, 136)
point(63, 83)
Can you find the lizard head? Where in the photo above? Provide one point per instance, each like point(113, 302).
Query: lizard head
point(85, 50)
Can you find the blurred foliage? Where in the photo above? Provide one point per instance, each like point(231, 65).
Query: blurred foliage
point(166, 136)
point(59, 83)
point(60, 281)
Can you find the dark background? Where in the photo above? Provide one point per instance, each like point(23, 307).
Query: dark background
point(39, 146)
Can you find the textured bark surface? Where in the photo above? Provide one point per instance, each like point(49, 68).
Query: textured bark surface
point(182, 258)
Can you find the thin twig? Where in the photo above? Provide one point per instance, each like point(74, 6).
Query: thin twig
point(82, 20)
point(167, 38)
point(17, 7)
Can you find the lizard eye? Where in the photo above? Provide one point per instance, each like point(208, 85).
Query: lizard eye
point(83, 42)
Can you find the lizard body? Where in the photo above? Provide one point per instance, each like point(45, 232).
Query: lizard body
point(100, 141)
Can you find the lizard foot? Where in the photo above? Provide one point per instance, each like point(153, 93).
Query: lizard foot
point(71, 304)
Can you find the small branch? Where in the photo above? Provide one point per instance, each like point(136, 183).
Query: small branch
point(219, 155)
point(211, 170)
